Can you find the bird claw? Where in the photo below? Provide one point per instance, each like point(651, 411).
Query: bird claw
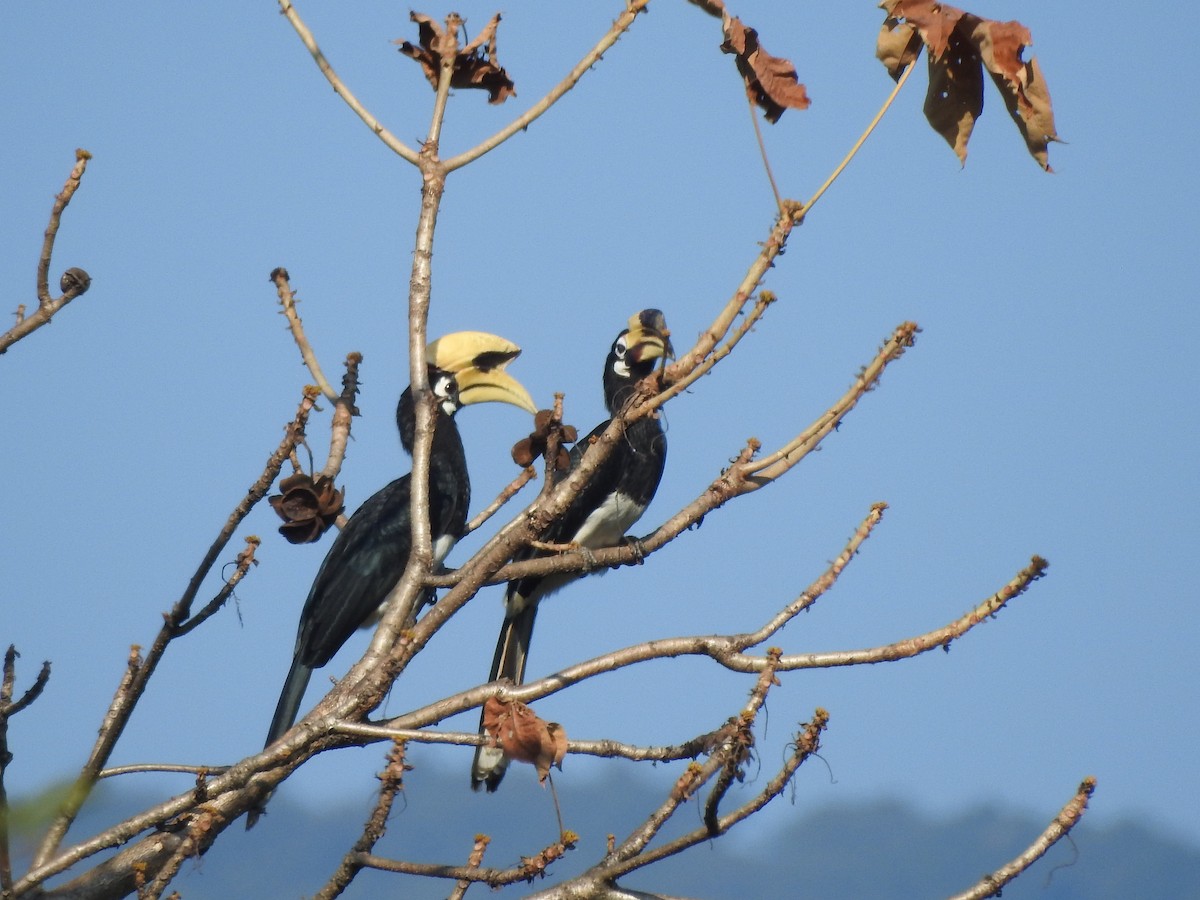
point(589, 558)
point(639, 549)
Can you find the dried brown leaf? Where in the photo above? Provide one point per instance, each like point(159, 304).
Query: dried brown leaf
point(1020, 83)
point(898, 45)
point(954, 99)
point(961, 45)
point(475, 65)
point(771, 81)
point(518, 731)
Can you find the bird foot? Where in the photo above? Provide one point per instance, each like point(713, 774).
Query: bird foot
point(639, 549)
point(589, 558)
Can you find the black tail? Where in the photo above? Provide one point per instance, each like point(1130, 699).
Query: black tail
point(286, 710)
point(512, 650)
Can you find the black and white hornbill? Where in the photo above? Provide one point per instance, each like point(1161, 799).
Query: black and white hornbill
point(370, 554)
point(606, 507)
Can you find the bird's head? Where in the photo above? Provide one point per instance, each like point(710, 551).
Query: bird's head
point(634, 354)
point(466, 367)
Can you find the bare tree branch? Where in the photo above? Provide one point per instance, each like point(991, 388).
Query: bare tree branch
point(391, 783)
point(287, 299)
point(245, 559)
point(138, 672)
point(531, 866)
point(390, 140)
point(807, 743)
point(8, 709)
point(1067, 818)
point(475, 860)
point(593, 56)
point(344, 411)
point(73, 282)
point(507, 493)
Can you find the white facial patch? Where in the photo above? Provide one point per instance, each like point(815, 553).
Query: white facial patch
point(621, 364)
point(445, 389)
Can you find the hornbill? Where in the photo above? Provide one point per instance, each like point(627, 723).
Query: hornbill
point(605, 508)
point(370, 554)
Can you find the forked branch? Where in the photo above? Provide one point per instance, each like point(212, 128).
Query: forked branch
point(73, 282)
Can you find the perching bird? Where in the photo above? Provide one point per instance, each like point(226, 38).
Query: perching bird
point(370, 554)
point(607, 506)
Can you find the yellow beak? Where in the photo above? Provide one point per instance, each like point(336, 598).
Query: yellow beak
point(477, 360)
point(649, 337)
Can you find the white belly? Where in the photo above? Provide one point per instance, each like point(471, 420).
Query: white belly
point(608, 523)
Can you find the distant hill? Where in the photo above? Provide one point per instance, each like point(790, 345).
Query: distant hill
point(883, 850)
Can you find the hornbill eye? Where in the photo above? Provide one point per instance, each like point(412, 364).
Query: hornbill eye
point(445, 389)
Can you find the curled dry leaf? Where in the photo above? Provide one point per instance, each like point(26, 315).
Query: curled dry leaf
point(526, 450)
point(308, 507)
point(518, 731)
point(474, 65)
point(961, 46)
point(771, 81)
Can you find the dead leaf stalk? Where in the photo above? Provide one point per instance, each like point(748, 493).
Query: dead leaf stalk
point(853, 151)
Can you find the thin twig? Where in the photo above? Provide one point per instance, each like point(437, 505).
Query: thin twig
point(391, 782)
point(175, 768)
point(1067, 818)
point(807, 743)
point(287, 299)
point(201, 823)
point(344, 411)
point(531, 866)
point(390, 140)
point(736, 751)
point(743, 477)
point(138, 672)
point(73, 282)
point(244, 561)
point(8, 709)
point(607, 749)
point(727, 651)
point(510, 490)
point(593, 56)
point(475, 860)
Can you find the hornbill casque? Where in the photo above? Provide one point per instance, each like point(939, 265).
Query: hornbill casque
point(370, 554)
point(606, 507)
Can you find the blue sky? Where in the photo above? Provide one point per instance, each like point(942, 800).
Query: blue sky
point(1048, 407)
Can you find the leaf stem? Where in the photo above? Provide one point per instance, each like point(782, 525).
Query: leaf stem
point(858, 144)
